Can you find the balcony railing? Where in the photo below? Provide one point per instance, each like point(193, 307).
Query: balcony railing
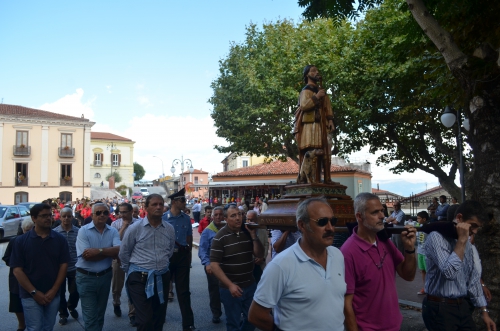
point(22, 150)
point(66, 182)
point(97, 163)
point(21, 181)
point(66, 152)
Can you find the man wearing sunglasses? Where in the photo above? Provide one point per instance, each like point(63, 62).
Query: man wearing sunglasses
point(304, 285)
point(180, 262)
point(97, 244)
point(452, 276)
point(370, 269)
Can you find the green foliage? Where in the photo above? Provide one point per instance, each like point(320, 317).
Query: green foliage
point(390, 89)
point(116, 174)
point(139, 171)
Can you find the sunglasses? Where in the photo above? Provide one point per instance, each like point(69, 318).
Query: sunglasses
point(324, 220)
point(104, 212)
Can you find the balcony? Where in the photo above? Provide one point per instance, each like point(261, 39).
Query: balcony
point(66, 152)
point(22, 150)
point(66, 181)
point(21, 181)
point(97, 163)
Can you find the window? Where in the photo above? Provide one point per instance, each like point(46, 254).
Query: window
point(116, 159)
point(21, 138)
point(97, 175)
point(195, 180)
point(98, 159)
point(21, 174)
point(23, 210)
point(245, 163)
point(66, 171)
point(66, 140)
point(20, 197)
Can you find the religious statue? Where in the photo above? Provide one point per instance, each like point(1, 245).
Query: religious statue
point(313, 129)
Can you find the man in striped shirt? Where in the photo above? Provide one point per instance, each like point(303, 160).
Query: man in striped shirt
point(232, 262)
point(452, 277)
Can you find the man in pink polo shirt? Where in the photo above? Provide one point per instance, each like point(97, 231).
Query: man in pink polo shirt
point(371, 301)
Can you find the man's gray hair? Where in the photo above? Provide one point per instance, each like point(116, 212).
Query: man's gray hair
point(361, 200)
point(67, 210)
point(252, 212)
point(99, 204)
point(302, 213)
point(27, 224)
point(217, 208)
point(134, 206)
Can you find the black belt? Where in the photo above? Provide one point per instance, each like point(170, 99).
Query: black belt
point(445, 300)
point(96, 274)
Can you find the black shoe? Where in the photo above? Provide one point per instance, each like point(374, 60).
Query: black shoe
point(118, 311)
point(132, 321)
point(216, 320)
point(190, 328)
point(63, 320)
point(74, 314)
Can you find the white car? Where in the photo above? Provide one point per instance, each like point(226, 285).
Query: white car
point(144, 191)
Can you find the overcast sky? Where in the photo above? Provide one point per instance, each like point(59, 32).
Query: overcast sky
point(139, 69)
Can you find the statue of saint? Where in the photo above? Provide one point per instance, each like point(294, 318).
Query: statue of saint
point(313, 129)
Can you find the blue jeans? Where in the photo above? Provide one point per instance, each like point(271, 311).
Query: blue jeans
point(234, 307)
point(94, 293)
point(38, 317)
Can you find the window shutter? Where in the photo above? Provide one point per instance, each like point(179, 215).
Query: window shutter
point(119, 159)
point(102, 158)
point(95, 157)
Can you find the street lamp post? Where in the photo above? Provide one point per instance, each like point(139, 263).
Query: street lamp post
point(448, 119)
point(162, 169)
point(181, 162)
point(111, 146)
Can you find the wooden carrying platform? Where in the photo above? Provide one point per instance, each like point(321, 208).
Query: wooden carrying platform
point(281, 213)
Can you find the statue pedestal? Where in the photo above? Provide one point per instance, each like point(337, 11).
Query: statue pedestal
point(281, 213)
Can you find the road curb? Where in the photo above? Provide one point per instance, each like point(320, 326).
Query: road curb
point(410, 303)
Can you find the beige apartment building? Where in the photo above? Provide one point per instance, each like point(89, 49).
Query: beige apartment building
point(43, 155)
point(111, 154)
point(234, 161)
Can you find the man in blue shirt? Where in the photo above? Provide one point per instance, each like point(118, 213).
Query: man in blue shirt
point(196, 211)
point(204, 254)
point(180, 262)
point(452, 278)
point(68, 230)
point(442, 209)
point(97, 244)
point(39, 259)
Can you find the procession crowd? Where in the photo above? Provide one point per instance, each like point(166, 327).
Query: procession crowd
point(308, 284)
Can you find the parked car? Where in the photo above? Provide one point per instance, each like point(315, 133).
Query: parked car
point(137, 196)
point(27, 204)
point(144, 191)
point(11, 218)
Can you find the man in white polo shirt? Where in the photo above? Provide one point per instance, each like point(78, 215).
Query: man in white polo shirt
point(304, 285)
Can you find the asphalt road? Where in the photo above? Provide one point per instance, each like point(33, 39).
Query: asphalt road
point(199, 301)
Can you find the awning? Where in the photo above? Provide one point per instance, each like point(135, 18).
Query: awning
point(235, 183)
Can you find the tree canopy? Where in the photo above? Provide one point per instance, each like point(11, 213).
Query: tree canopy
point(387, 89)
point(139, 171)
point(116, 174)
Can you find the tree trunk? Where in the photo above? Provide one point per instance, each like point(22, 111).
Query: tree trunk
point(482, 89)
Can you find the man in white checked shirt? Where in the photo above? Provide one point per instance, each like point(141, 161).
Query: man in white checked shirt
point(451, 275)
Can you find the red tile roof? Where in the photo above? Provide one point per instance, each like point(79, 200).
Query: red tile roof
point(195, 171)
point(289, 167)
point(107, 136)
point(25, 111)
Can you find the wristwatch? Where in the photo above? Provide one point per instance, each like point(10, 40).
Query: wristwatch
point(33, 293)
point(485, 310)
point(100, 250)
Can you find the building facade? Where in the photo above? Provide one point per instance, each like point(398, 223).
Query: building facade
point(111, 154)
point(43, 155)
point(234, 161)
point(268, 180)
